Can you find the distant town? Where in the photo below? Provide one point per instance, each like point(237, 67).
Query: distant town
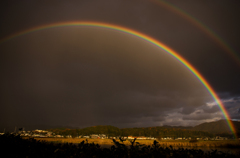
point(45, 133)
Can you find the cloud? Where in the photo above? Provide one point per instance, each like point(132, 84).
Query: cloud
point(201, 115)
point(231, 104)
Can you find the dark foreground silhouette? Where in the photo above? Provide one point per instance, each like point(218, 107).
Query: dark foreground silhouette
point(15, 146)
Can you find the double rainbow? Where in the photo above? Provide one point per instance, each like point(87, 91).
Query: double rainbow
point(146, 38)
point(205, 29)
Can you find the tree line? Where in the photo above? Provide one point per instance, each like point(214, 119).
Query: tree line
point(157, 132)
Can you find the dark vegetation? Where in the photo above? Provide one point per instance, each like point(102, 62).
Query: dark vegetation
point(157, 132)
point(15, 146)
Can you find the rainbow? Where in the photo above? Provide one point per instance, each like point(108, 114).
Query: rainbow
point(146, 38)
point(223, 44)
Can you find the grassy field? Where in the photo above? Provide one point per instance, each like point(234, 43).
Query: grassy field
point(164, 143)
point(16, 146)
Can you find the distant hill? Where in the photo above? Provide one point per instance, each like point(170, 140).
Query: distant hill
point(217, 127)
point(178, 127)
point(210, 128)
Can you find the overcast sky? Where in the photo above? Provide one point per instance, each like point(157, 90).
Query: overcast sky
point(86, 76)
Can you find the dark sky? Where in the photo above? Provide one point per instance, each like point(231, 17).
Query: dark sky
point(85, 76)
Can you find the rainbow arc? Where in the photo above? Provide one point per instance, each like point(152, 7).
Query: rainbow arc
point(147, 38)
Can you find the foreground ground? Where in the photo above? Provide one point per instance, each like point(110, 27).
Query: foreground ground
point(165, 143)
point(15, 146)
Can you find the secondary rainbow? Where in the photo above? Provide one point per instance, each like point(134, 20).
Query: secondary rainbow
point(215, 37)
point(141, 36)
